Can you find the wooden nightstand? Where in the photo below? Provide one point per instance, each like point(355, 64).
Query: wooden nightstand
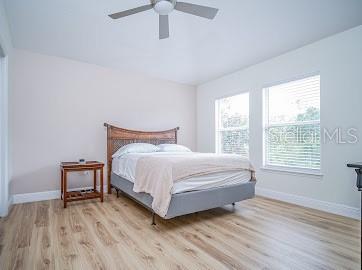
point(80, 195)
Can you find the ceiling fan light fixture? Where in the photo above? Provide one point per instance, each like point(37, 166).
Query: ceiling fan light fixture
point(164, 7)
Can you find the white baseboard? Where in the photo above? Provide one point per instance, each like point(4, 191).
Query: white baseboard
point(36, 196)
point(329, 207)
point(42, 196)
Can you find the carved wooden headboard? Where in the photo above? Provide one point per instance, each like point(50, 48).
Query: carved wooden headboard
point(118, 137)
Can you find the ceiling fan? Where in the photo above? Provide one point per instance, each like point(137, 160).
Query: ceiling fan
point(165, 7)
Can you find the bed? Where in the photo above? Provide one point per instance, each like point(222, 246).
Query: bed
point(185, 199)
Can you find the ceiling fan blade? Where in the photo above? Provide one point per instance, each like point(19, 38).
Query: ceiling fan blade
point(164, 27)
point(130, 12)
point(197, 10)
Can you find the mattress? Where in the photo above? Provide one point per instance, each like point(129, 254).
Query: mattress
point(125, 167)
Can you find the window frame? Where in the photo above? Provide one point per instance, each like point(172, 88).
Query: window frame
point(217, 122)
point(267, 125)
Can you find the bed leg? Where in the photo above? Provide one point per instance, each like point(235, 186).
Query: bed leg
point(153, 219)
point(117, 193)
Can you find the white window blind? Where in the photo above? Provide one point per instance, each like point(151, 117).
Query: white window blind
point(292, 124)
point(232, 125)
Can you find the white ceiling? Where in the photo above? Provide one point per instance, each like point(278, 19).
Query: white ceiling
point(244, 32)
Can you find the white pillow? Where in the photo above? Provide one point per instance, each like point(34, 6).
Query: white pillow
point(173, 148)
point(135, 148)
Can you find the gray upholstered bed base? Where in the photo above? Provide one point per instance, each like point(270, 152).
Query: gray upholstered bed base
point(190, 202)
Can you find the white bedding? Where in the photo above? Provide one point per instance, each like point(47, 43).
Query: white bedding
point(125, 167)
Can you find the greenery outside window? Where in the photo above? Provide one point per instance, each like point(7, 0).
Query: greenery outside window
point(232, 125)
point(292, 125)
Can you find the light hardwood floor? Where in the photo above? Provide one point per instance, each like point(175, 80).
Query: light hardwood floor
point(256, 234)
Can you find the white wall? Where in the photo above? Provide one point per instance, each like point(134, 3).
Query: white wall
point(58, 107)
point(5, 55)
point(339, 61)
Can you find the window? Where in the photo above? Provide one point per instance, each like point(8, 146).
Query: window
point(292, 125)
point(232, 125)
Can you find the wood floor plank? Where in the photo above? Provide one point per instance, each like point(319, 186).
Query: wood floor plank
point(9, 226)
point(41, 257)
point(166, 245)
point(42, 214)
point(218, 247)
point(64, 247)
point(89, 239)
point(264, 240)
point(314, 235)
point(2, 235)
point(308, 246)
point(305, 218)
point(151, 250)
point(256, 234)
point(25, 225)
point(254, 246)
